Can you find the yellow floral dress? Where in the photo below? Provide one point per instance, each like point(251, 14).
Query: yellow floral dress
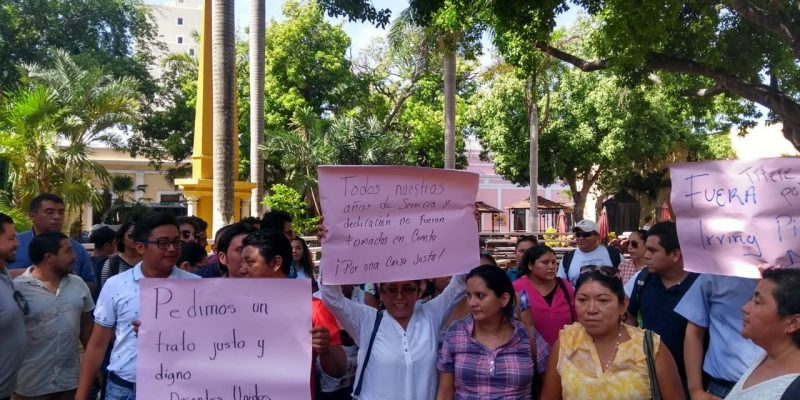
point(582, 375)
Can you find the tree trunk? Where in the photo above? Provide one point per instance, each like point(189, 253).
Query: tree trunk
point(257, 24)
point(578, 198)
point(222, 54)
point(533, 126)
point(450, 106)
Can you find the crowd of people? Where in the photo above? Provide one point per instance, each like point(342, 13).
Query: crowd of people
point(592, 325)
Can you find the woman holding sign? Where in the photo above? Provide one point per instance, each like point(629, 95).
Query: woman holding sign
point(397, 346)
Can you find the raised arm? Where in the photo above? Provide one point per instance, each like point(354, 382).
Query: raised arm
point(351, 315)
point(443, 305)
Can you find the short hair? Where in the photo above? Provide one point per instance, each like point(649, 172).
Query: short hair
point(498, 282)
point(144, 227)
point(272, 243)
point(5, 219)
point(37, 201)
point(786, 293)
point(43, 244)
point(229, 232)
point(487, 257)
point(275, 220)
point(612, 283)
point(192, 253)
point(667, 235)
point(102, 236)
point(530, 257)
point(526, 238)
point(251, 221)
point(120, 237)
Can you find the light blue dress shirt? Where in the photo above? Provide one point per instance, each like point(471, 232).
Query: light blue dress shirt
point(83, 263)
point(117, 308)
point(715, 302)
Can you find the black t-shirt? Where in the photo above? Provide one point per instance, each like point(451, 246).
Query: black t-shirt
point(658, 314)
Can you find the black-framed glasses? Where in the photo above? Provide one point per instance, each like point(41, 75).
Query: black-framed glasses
point(584, 234)
point(163, 244)
point(603, 269)
point(22, 302)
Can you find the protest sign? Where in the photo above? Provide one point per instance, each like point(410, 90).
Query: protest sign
point(224, 339)
point(734, 215)
point(397, 223)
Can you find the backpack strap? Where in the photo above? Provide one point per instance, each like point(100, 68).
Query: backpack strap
point(567, 261)
point(563, 288)
point(113, 266)
point(793, 391)
point(614, 256)
point(636, 294)
point(378, 319)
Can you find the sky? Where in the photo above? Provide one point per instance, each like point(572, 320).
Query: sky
point(361, 34)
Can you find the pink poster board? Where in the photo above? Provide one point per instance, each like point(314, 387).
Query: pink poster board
point(224, 339)
point(390, 224)
point(734, 215)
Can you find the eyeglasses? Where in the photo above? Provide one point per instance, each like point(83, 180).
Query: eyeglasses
point(163, 244)
point(603, 269)
point(407, 290)
point(584, 234)
point(633, 245)
point(188, 234)
point(21, 302)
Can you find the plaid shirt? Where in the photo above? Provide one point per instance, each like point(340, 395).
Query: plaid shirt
point(627, 269)
point(479, 373)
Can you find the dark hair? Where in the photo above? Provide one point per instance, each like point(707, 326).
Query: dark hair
point(642, 234)
point(102, 236)
point(526, 238)
point(612, 283)
point(648, 218)
point(272, 243)
point(667, 235)
point(488, 257)
point(786, 293)
point(121, 232)
point(186, 220)
point(144, 227)
point(275, 220)
point(199, 223)
point(192, 253)
point(5, 219)
point(38, 200)
point(251, 221)
point(229, 232)
point(43, 244)
point(306, 262)
point(498, 282)
point(530, 257)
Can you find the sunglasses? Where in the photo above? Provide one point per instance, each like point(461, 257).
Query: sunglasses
point(407, 290)
point(602, 269)
point(21, 302)
point(163, 244)
point(584, 234)
point(188, 234)
point(633, 245)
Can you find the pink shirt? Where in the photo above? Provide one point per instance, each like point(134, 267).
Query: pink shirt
point(548, 319)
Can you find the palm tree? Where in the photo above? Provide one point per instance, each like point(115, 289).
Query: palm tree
point(257, 25)
point(223, 41)
point(449, 50)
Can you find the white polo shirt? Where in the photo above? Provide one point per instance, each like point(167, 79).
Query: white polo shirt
point(117, 307)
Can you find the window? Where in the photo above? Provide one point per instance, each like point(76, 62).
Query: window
point(180, 21)
point(180, 39)
point(191, 52)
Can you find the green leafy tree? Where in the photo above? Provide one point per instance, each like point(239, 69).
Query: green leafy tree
point(284, 198)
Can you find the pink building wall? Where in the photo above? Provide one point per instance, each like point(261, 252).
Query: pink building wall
point(500, 193)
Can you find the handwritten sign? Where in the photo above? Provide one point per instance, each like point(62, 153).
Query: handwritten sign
point(224, 339)
point(397, 223)
point(734, 215)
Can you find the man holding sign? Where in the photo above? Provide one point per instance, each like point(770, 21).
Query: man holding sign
point(158, 241)
point(396, 225)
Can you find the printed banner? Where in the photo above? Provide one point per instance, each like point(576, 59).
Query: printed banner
point(390, 224)
point(224, 339)
point(734, 215)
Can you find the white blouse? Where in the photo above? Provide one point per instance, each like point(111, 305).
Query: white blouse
point(402, 365)
point(771, 389)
